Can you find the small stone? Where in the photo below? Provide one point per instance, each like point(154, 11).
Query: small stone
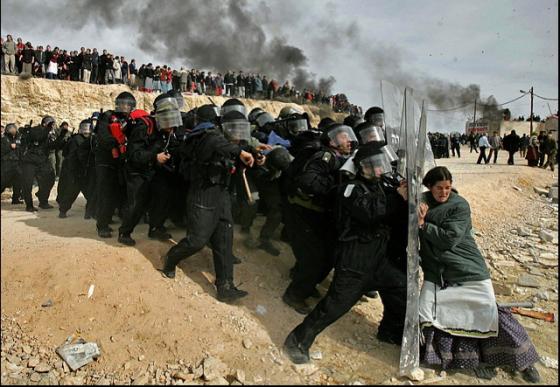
point(68, 380)
point(417, 375)
point(305, 369)
point(220, 381)
point(543, 296)
point(35, 377)
point(27, 349)
point(546, 236)
point(257, 379)
point(502, 289)
point(240, 376)
point(316, 355)
point(213, 368)
point(33, 362)
point(549, 362)
point(42, 367)
point(183, 376)
point(524, 231)
point(247, 343)
point(141, 357)
point(530, 327)
point(126, 366)
point(141, 381)
point(528, 281)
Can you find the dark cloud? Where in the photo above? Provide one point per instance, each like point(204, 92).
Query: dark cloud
point(202, 34)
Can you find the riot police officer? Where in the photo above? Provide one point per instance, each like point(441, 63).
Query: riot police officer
point(309, 217)
point(149, 167)
point(35, 162)
point(364, 207)
point(73, 178)
point(208, 162)
point(109, 158)
point(11, 167)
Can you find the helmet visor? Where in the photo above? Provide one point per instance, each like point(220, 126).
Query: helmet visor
point(125, 105)
point(230, 108)
point(389, 153)
point(372, 133)
point(168, 114)
point(378, 119)
point(85, 127)
point(343, 138)
point(263, 119)
point(375, 166)
point(237, 130)
point(295, 126)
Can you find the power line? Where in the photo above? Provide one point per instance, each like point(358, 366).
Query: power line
point(494, 105)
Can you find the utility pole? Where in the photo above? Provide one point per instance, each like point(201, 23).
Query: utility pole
point(531, 91)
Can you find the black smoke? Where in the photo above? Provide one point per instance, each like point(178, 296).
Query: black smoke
point(218, 35)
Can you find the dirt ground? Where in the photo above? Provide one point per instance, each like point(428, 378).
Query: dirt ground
point(144, 322)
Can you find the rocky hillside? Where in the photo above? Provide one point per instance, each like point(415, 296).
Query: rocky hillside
point(31, 99)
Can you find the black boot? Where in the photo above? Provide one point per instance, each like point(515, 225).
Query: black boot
point(126, 240)
point(228, 292)
point(45, 206)
point(62, 214)
point(267, 246)
point(295, 351)
point(531, 374)
point(158, 233)
point(300, 306)
point(168, 268)
point(105, 232)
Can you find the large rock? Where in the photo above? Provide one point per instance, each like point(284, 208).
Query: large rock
point(34, 98)
point(214, 368)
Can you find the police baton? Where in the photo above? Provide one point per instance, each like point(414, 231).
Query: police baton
point(249, 195)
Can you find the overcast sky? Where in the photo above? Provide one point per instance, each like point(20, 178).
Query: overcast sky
point(450, 52)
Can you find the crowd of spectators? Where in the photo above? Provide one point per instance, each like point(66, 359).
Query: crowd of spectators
point(89, 66)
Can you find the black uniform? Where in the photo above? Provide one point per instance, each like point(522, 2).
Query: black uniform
point(74, 179)
point(35, 164)
point(11, 166)
point(148, 182)
point(310, 224)
point(365, 208)
point(86, 158)
point(109, 161)
point(208, 163)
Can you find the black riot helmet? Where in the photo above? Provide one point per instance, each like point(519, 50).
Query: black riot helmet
point(352, 121)
point(376, 116)
point(233, 104)
point(178, 96)
point(263, 118)
point(372, 161)
point(288, 111)
point(278, 159)
point(297, 123)
point(340, 138)
point(125, 103)
point(10, 128)
point(167, 112)
point(85, 127)
point(326, 121)
point(367, 132)
point(48, 121)
point(236, 126)
point(254, 114)
point(206, 113)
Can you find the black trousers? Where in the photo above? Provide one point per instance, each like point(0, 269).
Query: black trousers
point(178, 198)
point(111, 193)
point(45, 179)
point(345, 291)
point(313, 239)
point(12, 176)
point(456, 148)
point(145, 194)
point(511, 157)
point(482, 156)
point(209, 219)
point(69, 187)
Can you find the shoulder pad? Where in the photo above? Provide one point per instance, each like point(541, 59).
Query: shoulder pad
point(326, 157)
point(348, 190)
